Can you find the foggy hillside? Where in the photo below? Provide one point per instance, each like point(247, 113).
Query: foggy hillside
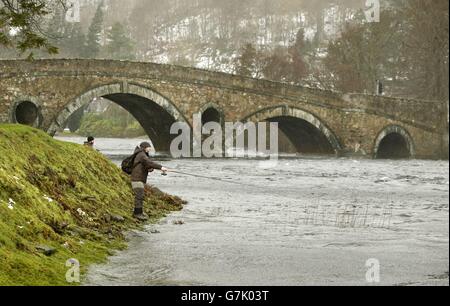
point(209, 33)
point(327, 44)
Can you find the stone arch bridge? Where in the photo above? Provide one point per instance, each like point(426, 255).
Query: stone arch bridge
point(45, 93)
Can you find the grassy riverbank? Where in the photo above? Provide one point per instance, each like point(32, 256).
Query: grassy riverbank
point(64, 199)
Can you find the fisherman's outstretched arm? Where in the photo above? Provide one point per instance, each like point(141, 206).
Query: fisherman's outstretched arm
point(149, 164)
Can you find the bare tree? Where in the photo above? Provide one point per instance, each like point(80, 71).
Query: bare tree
point(425, 47)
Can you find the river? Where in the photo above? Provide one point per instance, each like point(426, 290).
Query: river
point(308, 221)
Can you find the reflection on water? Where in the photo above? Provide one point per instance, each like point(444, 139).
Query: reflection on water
point(287, 225)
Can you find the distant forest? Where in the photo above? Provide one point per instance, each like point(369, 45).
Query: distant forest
point(328, 44)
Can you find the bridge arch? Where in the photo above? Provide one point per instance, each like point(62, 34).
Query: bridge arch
point(306, 131)
point(28, 111)
point(212, 112)
point(152, 110)
point(394, 142)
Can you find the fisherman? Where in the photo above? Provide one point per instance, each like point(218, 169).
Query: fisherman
point(90, 142)
point(142, 165)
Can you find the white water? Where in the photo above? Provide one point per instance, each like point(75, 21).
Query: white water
point(306, 222)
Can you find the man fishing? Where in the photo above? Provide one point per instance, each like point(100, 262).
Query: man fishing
point(142, 165)
point(90, 142)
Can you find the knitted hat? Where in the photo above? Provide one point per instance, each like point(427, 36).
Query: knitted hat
point(145, 145)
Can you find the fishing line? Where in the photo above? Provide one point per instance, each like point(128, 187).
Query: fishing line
point(213, 178)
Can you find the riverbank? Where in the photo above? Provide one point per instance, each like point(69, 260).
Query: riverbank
point(60, 201)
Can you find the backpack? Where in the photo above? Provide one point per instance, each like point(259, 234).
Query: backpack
point(128, 163)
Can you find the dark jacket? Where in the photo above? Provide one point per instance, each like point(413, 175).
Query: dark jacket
point(142, 166)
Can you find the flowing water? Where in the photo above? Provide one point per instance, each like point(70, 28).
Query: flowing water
point(308, 221)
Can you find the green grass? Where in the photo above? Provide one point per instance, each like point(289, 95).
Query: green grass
point(64, 195)
point(101, 126)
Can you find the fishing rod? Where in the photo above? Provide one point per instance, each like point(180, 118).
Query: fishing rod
point(208, 178)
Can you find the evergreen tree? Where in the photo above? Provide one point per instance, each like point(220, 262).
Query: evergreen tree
point(67, 36)
point(245, 64)
point(26, 17)
point(120, 46)
point(75, 40)
point(298, 52)
point(73, 44)
point(56, 26)
point(93, 45)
